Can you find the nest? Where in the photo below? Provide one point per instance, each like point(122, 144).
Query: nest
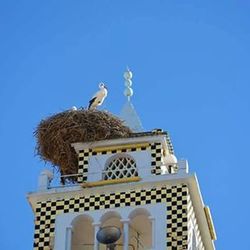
point(56, 134)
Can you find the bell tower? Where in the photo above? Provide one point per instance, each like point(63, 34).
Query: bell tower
point(129, 193)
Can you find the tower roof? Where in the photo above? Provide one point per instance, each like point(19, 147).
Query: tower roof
point(130, 117)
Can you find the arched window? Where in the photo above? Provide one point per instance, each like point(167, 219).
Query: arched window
point(140, 230)
point(83, 233)
point(121, 166)
point(112, 219)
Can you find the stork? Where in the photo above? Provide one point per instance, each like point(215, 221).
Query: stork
point(99, 97)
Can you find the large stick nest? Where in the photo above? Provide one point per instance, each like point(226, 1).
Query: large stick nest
point(56, 133)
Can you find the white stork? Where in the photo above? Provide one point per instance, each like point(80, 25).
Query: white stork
point(99, 97)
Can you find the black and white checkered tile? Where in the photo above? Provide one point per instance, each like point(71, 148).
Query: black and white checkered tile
point(156, 156)
point(175, 198)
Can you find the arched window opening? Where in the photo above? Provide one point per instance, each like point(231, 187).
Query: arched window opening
point(140, 230)
point(112, 219)
point(121, 166)
point(83, 234)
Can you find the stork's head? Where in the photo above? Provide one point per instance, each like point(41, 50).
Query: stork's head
point(102, 85)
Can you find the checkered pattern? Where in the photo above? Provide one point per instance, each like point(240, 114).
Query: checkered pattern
point(175, 198)
point(177, 222)
point(156, 156)
point(83, 159)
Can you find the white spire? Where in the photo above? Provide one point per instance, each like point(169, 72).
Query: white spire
point(128, 113)
point(128, 83)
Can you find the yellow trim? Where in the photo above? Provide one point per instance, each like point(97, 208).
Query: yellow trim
point(119, 147)
point(210, 223)
point(110, 182)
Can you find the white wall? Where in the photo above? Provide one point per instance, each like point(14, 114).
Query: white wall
point(97, 164)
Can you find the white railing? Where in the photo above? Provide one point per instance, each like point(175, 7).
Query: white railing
point(59, 181)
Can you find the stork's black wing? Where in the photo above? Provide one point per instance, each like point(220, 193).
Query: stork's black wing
point(91, 102)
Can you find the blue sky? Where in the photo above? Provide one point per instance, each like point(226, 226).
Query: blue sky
point(190, 61)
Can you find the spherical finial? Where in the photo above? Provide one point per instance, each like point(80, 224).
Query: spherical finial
point(128, 83)
point(128, 92)
point(128, 74)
